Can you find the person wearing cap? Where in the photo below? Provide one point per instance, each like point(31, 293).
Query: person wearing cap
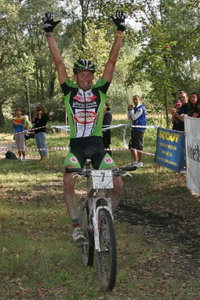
point(85, 104)
point(178, 114)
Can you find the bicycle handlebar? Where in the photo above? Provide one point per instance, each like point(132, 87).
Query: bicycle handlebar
point(86, 172)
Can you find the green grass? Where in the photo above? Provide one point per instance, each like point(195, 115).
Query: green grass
point(38, 259)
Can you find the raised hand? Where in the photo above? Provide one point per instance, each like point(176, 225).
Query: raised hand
point(119, 20)
point(49, 23)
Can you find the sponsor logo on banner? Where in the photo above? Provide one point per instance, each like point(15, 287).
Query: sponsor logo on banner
point(192, 126)
point(170, 149)
point(193, 151)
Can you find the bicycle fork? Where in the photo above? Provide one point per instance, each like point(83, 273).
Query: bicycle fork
point(96, 206)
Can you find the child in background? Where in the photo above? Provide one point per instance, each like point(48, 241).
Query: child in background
point(19, 125)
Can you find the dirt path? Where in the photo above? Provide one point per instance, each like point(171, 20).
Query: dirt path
point(177, 233)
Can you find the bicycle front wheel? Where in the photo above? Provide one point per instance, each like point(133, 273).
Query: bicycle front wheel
point(107, 256)
point(87, 248)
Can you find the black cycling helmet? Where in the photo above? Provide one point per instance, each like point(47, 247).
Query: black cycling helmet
point(84, 65)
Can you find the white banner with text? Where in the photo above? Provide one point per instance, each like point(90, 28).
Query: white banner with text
point(192, 130)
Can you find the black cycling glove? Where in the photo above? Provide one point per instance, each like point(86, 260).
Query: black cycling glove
point(49, 24)
point(119, 20)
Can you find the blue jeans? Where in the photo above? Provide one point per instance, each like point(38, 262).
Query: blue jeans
point(40, 138)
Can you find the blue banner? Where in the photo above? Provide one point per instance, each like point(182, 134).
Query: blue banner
point(170, 149)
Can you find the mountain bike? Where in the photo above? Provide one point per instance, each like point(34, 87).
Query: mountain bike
point(96, 221)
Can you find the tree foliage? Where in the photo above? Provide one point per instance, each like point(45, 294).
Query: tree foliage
point(169, 51)
point(156, 61)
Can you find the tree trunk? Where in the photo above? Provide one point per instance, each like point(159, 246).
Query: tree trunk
point(2, 119)
point(84, 13)
point(52, 84)
point(166, 105)
point(82, 23)
point(41, 84)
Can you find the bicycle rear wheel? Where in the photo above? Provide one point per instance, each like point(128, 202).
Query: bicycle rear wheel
point(107, 257)
point(87, 248)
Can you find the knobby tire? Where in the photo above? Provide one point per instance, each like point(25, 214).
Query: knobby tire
point(107, 257)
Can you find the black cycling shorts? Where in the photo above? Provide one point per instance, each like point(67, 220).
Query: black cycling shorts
point(137, 139)
point(88, 148)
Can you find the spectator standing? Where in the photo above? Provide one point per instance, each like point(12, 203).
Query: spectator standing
point(194, 105)
point(107, 119)
point(19, 124)
point(137, 115)
point(40, 120)
point(178, 115)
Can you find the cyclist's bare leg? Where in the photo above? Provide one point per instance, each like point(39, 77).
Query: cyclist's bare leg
point(69, 195)
point(116, 193)
point(71, 202)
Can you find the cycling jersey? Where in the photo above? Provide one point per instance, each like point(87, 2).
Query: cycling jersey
point(85, 109)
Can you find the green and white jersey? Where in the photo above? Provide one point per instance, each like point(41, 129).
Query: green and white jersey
point(85, 109)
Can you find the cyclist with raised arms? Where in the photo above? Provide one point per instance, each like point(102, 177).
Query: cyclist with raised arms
point(85, 105)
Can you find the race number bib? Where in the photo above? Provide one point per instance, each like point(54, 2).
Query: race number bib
point(102, 179)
